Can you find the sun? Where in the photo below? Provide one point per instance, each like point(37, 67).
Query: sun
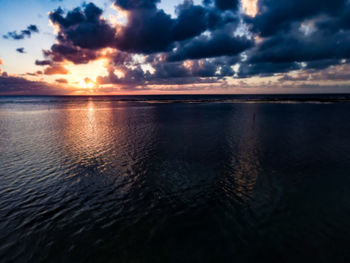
point(93, 70)
point(86, 84)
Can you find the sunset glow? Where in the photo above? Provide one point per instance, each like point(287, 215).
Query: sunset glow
point(151, 47)
point(91, 71)
point(86, 84)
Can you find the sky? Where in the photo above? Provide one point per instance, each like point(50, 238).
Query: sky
point(107, 47)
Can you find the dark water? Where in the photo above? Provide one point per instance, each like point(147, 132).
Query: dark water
point(145, 179)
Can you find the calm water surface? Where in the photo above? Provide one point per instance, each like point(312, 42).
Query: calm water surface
point(140, 179)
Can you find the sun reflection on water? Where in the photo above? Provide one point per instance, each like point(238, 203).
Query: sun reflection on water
point(245, 163)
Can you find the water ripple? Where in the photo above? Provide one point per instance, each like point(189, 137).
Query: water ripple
point(100, 180)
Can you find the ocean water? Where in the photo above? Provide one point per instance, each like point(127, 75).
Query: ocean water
point(175, 179)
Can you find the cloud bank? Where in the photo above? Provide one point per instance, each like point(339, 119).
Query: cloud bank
point(207, 43)
point(15, 85)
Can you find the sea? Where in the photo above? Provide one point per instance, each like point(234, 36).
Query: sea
point(175, 178)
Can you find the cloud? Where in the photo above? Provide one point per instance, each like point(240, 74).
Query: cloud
point(61, 81)
point(294, 46)
point(43, 62)
point(62, 52)
point(280, 15)
point(136, 4)
point(84, 28)
point(1, 62)
point(175, 73)
point(24, 33)
point(35, 74)
point(147, 31)
point(247, 70)
point(82, 33)
point(13, 85)
point(55, 70)
point(150, 30)
point(203, 43)
point(339, 72)
point(340, 21)
point(185, 26)
point(219, 43)
point(21, 50)
point(227, 4)
point(297, 34)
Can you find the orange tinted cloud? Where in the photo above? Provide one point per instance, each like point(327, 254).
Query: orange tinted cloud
point(56, 69)
point(250, 7)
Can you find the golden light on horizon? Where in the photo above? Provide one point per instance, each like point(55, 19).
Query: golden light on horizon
point(85, 75)
point(250, 7)
point(86, 84)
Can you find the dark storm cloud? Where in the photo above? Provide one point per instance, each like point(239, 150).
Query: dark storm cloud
point(185, 26)
point(61, 52)
point(121, 58)
point(136, 4)
point(313, 32)
point(265, 69)
point(227, 4)
point(147, 31)
point(137, 77)
point(339, 22)
point(24, 33)
point(196, 68)
point(322, 64)
point(84, 28)
point(203, 68)
point(150, 30)
point(298, 47)
point(21, 50)
point(279, 15)
point(223, 4)
point(219, 43)
point(201, 43)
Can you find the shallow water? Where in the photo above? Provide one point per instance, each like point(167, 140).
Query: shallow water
point(129, 179)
